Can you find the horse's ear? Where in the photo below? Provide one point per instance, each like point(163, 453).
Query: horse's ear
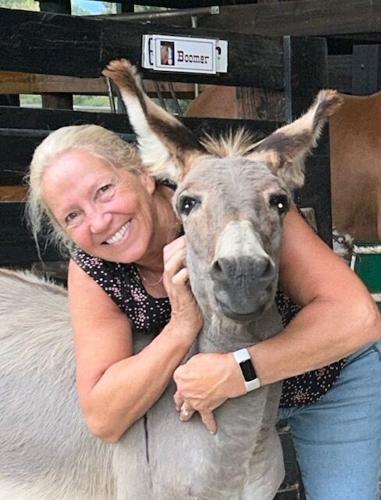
point(166, 146)
point(285, 150)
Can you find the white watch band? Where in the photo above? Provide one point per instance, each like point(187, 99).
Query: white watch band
point(241, 356)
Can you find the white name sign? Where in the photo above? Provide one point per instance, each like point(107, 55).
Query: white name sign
point(184, 54)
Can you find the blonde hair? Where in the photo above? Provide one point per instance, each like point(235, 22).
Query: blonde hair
point(92, 138)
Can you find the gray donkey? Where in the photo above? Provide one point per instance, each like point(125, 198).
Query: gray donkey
point(231, 196)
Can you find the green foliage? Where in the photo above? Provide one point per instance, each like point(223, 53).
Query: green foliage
point(92, 102)
point(20, 4)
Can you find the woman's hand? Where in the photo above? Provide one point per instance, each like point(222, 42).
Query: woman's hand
point(185, 316)
point(204, 383)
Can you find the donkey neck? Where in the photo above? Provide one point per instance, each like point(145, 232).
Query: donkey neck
point(221, 334)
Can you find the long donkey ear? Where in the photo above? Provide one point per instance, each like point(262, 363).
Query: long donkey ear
point(285, 150)
point(167, 147)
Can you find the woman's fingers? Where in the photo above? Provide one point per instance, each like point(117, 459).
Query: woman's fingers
point(173, 247)
point(186, 412)
point(185, 314)
point(209, 421)
point(181, 278)
point(175, 262)
point(179, 400)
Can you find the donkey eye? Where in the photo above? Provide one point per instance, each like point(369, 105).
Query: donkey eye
point(186, 204)
point(280, 203)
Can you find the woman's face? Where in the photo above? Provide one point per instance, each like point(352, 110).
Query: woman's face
point(106, 211)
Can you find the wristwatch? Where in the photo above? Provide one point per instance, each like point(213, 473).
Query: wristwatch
point(243, 358)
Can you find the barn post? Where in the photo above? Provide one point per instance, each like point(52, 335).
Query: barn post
point(57, 100)
point(306, 72)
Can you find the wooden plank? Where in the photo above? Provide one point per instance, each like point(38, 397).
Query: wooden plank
point(21, 130)
point(260, 104)
point(41, 42)
point(307, 17)
point(48, 119)
point(339, 77)
point(17, 245)
point(17, 146)
point(12, 193)
point(18, 143)
point(17, 151)
point(13, 82)
point(252, 61)
point(31, 121)
point(73, 46)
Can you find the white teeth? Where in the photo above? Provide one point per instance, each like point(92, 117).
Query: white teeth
point(118, 235)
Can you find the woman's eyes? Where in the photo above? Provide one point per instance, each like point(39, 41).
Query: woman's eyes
point(106, 190)
point(103, 193)
point(70, 218)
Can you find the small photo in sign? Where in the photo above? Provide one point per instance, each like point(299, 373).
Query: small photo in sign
point(167, 51)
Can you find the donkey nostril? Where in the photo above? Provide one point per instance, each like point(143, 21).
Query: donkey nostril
point(269, 269)
point(264, 268)
point(217, 269)
point(222, 268)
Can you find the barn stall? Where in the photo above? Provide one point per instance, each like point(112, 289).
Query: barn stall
point(312, 45)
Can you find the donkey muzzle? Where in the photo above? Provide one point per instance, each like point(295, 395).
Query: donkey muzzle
point(243, 287)
point(243, 274)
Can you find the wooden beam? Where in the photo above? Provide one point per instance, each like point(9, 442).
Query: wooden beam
point(56, 100)
point(307, 73)
point(18, 119)
point(21, 130)
point(57, 44)
point(13, 193)
point(339, 77)
point(12, 82)
point(307, 17)
point(17, 246)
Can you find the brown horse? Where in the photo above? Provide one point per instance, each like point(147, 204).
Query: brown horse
point(355, 145)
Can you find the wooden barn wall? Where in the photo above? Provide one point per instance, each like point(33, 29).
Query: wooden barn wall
point(48, 43)
point(59, 44)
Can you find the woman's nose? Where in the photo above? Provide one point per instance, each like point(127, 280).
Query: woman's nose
point(99, 221)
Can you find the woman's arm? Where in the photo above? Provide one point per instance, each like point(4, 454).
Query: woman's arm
point(338, 315)
point(338, 318)
point(115, 387)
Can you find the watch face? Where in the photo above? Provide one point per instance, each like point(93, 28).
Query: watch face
point(248, 370)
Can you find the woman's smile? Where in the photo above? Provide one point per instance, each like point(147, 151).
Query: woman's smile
point(121, 234)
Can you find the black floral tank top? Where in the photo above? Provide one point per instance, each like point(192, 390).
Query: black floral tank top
point(122, 283)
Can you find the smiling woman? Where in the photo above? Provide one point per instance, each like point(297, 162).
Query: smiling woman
point(104, 207)
point(99, 145)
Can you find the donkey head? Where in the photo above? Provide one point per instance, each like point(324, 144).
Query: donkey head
point(232, 195)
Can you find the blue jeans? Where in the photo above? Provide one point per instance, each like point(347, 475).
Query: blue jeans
point(338, 438)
